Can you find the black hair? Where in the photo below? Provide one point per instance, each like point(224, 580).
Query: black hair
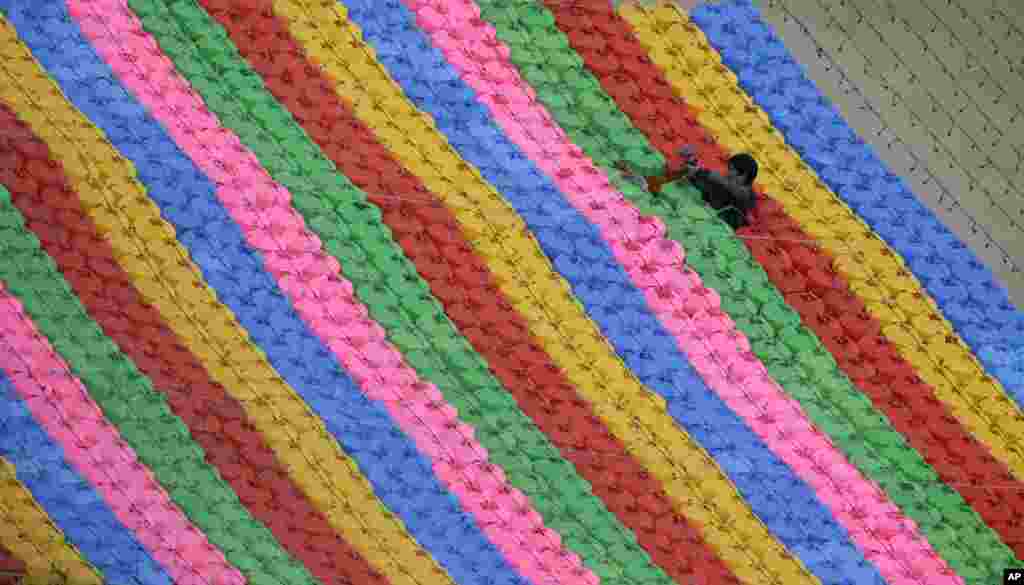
point(746, 165)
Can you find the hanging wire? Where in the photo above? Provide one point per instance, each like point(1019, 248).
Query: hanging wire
point(595, 455)
point(584, 456)
point(847, 248)
point(512, 213)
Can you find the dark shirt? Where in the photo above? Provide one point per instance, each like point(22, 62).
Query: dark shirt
point(732, 207)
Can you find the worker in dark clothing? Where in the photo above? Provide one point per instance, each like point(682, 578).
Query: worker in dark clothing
point(731, 195)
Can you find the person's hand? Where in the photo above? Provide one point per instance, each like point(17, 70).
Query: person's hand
point(654, 184)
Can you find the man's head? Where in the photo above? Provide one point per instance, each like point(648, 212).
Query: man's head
point(743, 169)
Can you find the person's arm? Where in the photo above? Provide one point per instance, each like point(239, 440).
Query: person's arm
point(685, 171)
point(710, 177)
point(654, 184)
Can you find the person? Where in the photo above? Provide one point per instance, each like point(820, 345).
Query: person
point(731, 195)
